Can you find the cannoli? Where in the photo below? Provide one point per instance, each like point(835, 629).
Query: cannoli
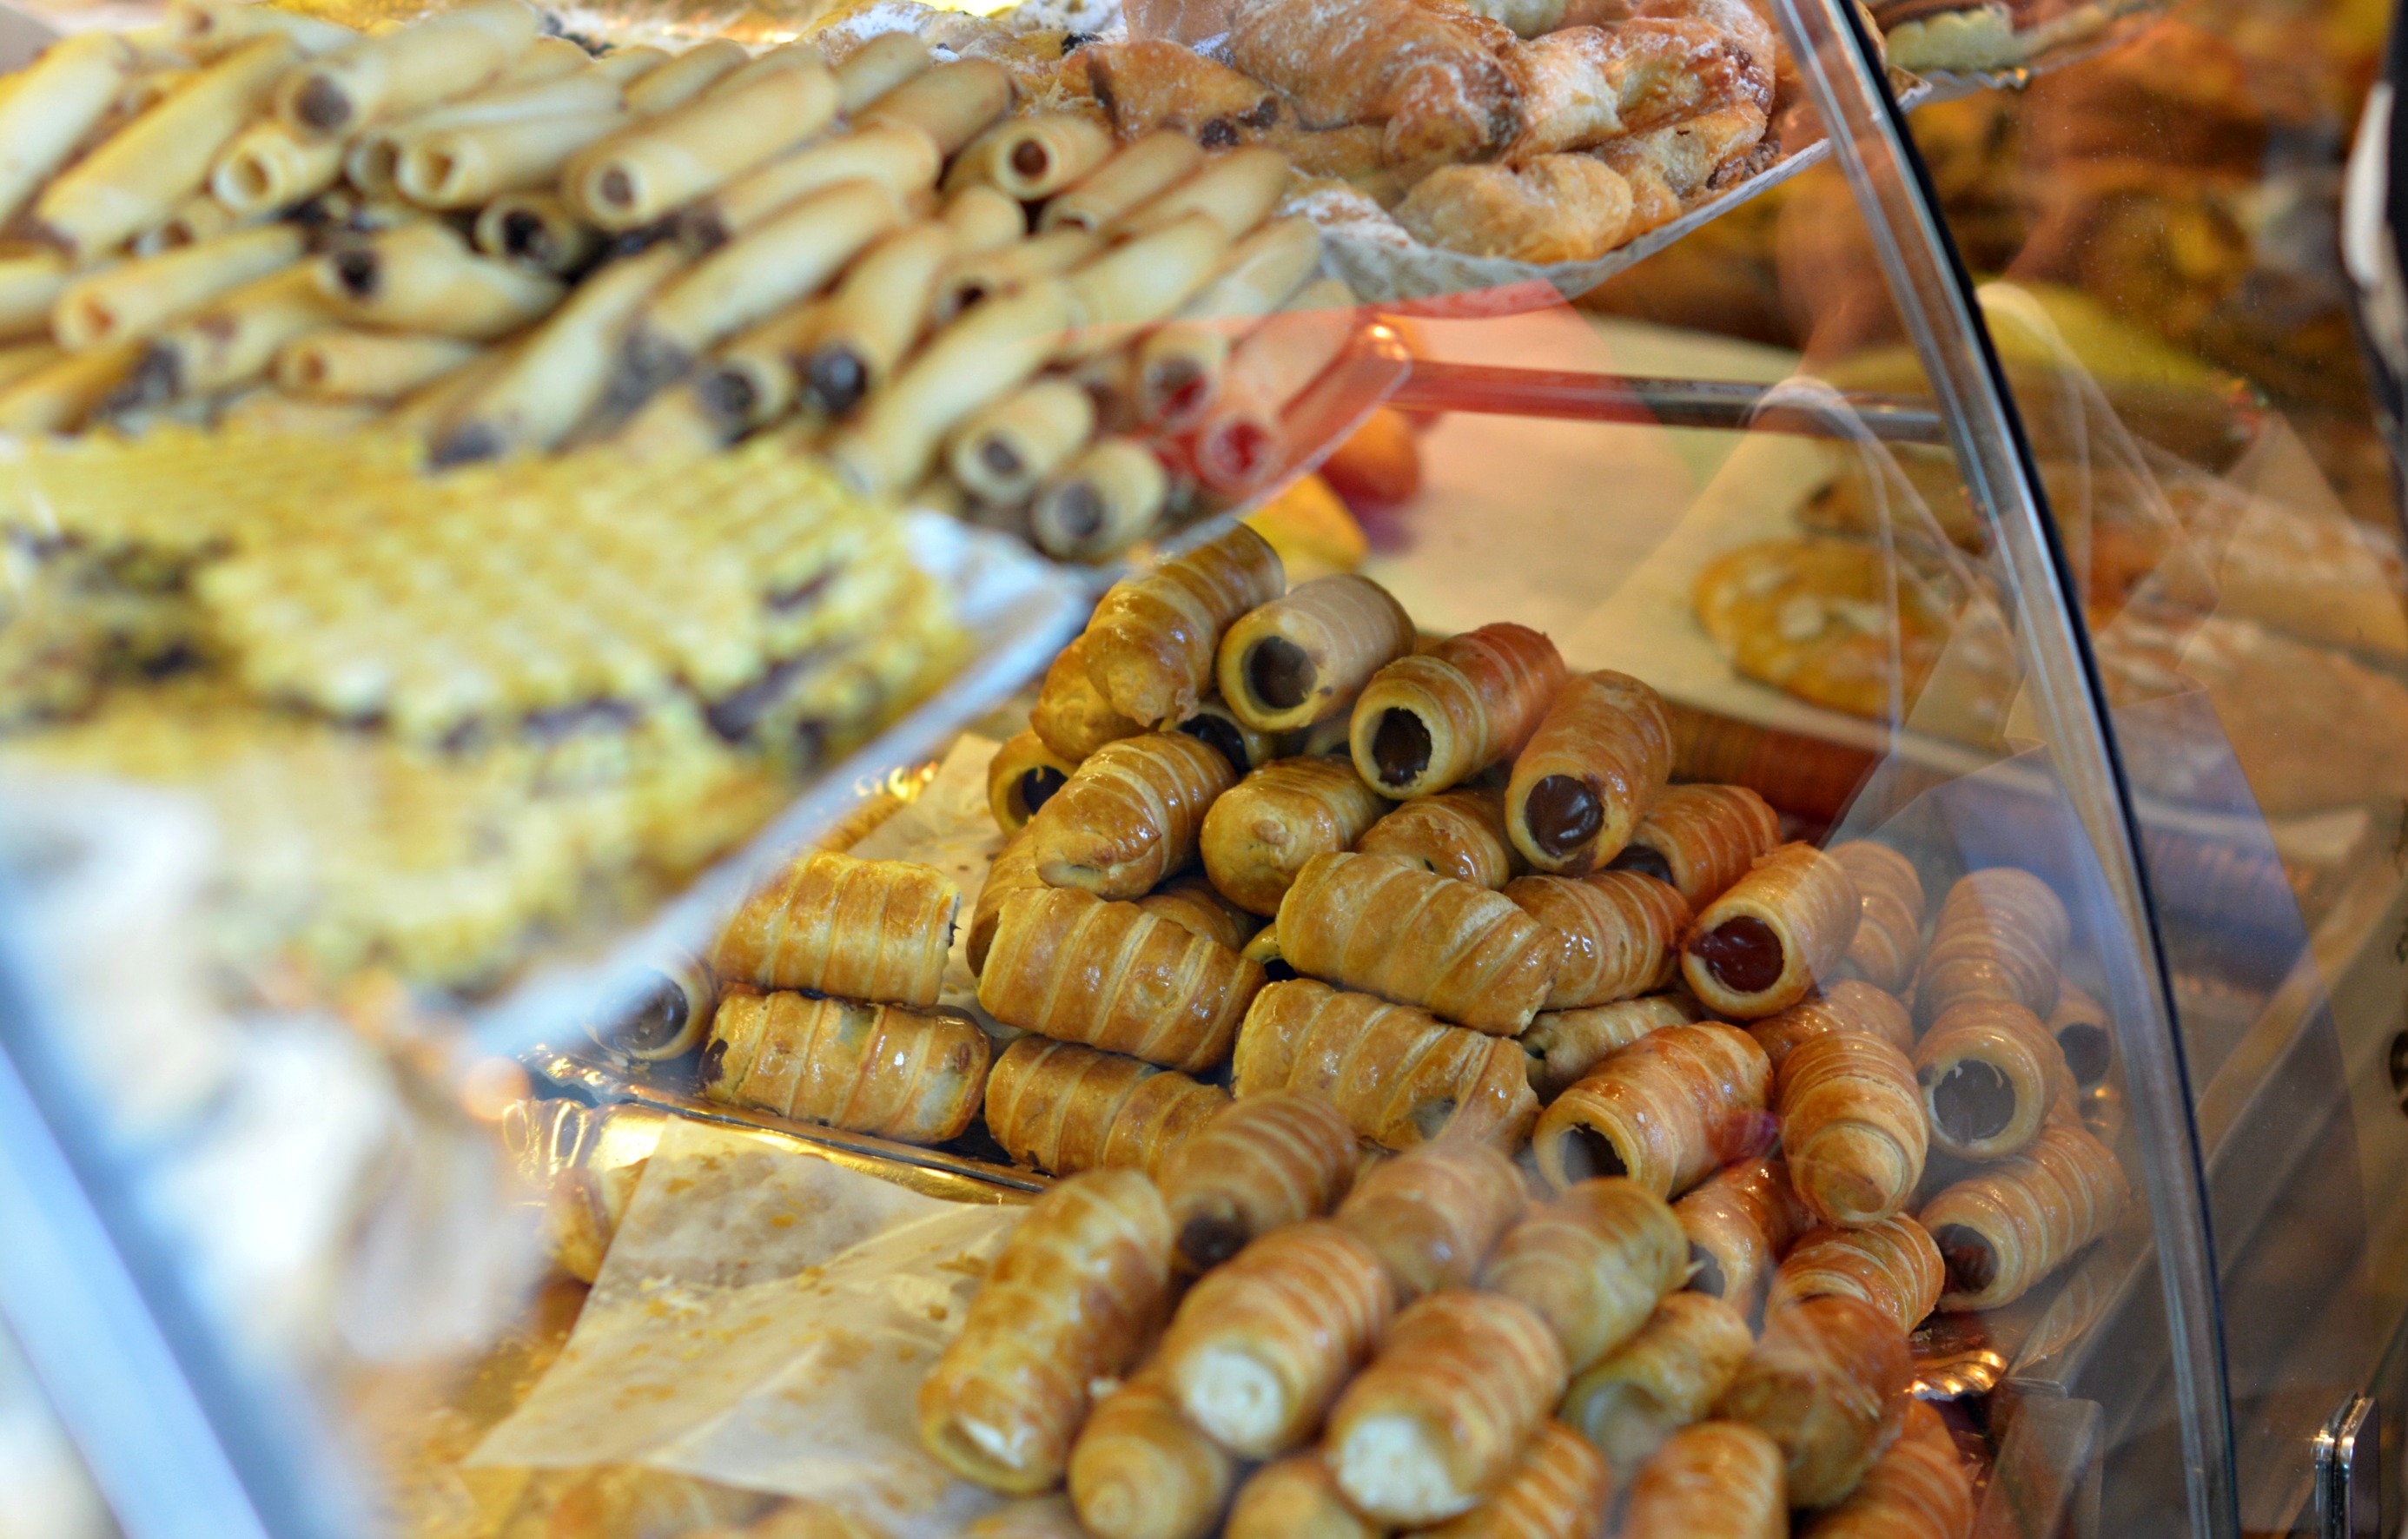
point(1849, 1006)
point(951, 104)
point(2006, 1226)
point(1621, 933)
point(1431, 721)
point(1297, 1498)
point(1065, 1109)
point(1601, 755)
point(1565, 1046)
point(1665, 1111)
point(1110, 975)
point(1034, 157)
point(1135, 175)
point(1129, 815)
point(1773, 935)
point(1434, 1213)
point(877, 1069)
point(1237, 190)
point(341, 364)
point(424, 278)
point(1241, 440)
point(52, 104)
point(1246, 748)
point(1012, 444)
point(901, 160)
point(1852, 1128)
point(667, 1018)
point(1108, 497)
point(1261, 832)
point(1022, 777)
point(136, 298)
point(232, 340)
point(1376, 923)
point(1458, 834)
point(1662, 1379)
point(1191, 901)
point(1701, 839)
point(1739, 1222)
point(1012, 871)
point(1827, 1383)
point(2001, 934)
point(1145, 280)
point(661, 162)
point(1142, 1470)
point(2085, 1032)
point(878, 309)
point(1182, 366)
point(1989, 1072)
point(1918, 1488)
point(269, 167)
point(1071, 715)
point(1713, 1480)
point(1592, 1264)
point(1556, 1491)
point(878, 66)
point(1304, 657)
point(1398, 1075)
point(1270, 1160)
point(1892, 1266)
point(397, 72)
point(1888, 943)
point(1150, 645)
point(867, 930)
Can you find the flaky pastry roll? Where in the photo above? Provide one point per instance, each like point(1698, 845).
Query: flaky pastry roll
point(1556, 1491)
point(912, 1077)
point(659, 164)
point(1888, 944)
point(1246, 748)
point(1852, 1127)
point(1713, 1480)
point(1071, 715)
point(1892, 1266)
point(1260, 834)
point(1274, 1159)
point(1601, 755)
point(2009, 1225)
point(1191, 901)
point(1701, 839)
point(1142, 1470)
point(2085, 1033)
point(1297, 1498)
point(52, 103)
point(1301, 659)
point(1621, 933)
point(1015, 442)
point(1376, 923)
point(1458, 834)
point(2001, 934)
point(1237, 190)
point(1739, 1222)
point(868, 930)
point(409, 67)
point(1592, 1264)
point(136, 298)
point(1150, 643)
point(1400, 1075)
point(1773, 935)
point(1918, 1489)
point(1664, 1111)
point(1850, 1006)
point(667, 1017)
point(1074, 967)
point(1012, 871)
point(423, 278)
point(1130, 814)
point(1989, 1072)
point(1065, 1109)
point(1565, 1046)
point(1661, 1381)
point(1023, 776)
point(1434, 1213)
point(1439, 717)
point(1827, 1383)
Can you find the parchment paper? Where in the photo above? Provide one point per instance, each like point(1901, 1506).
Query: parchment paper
point(949, 828)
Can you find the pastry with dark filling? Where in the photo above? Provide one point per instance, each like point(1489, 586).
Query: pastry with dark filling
point(1601, 757)
point(1461, 952)
point(1304, 657)
point(1739, 1222)
point(1400, 1077)
point(1439, 717)
point(1666, 1111)
point(1458, 834)
point(1065, 1109)
point(1023, 776)
point(1776, 932)
point(2006, 1226)
point(1701, 839)
point(1989, 1075)
point(1270, 1160)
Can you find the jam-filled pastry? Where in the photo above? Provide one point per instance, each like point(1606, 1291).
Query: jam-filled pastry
point(1261, 832)
point(1661, 1381)
point(1601, 755)
point(1461, 952)
point(867, 930)
point(1852, 1128)
point(2008, 1225)
point(1071, 966)
point(1888, 943)
point(1151, 84)
point(1701, 839)
point(1078, 1288)
point(1565, 1045)
point(1989, 1072)
point(910, 1075)
point(1434, 1213)
point(1918, 1489)
point(1297, 1498)
point(1713, 1480)
point(1400, 1077)
point(1555, 1490)
point(1621, 933)
point(1850, 1006)
point(1072, 716)
point(1551, 208)
point(1213, 721)
point(1150, 645)
point(666, 1017)
point(1428, 70)
point(1130, 814)
point(1303, 658)
point(1828, 1382)
point(2085, 1032)
point(1592, 1264)
point(1892, 1266)
point(1191, 901)
point(1739, 1222)
point(1142, 1470)
point(1776, 932)
point(1458, 834)
point(1065, 1109)
point(1022, 776)
point(1461, 1382)
point(1665, 1111)
point(1270, 1160)
point(1263, 1344)
point(1439, 717)
point(1012, 871)
point(2001, 934)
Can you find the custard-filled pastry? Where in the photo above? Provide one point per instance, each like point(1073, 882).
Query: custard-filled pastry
point(1713, 1480)
point(1849, 1006)
point(1458, 834)
point(1661, 1381)
point(1150, 643)
point(1297, 1498)
point(1621, 933)
point(1262, 1344)
point(1701, 839)
point(1461, 952)
point(1012, 871)
point(1065, 1109)
point(1739, 1222)
point(1565, 1045)
point(1259, 834)
point(1888, 943)
point(2085, 1032)
point(667, 1017)
point(1556, 1491)
point(1071, 966)
point(1592, 1264)
point(1216, 723)
point(1400, 1077)
point(912, 1077)
point(1892, 1266)
point(1462, 1381)
point(1072, 716)
point(1434, 1213)
point(1916, 1490)
point(1828, 1382)
point(1023, 776)
point(1989, 1072)
point(1078, 1287)
point(1304, 658)
point(1429, 71)
point(1601, 757)
point(868, 930)
point(1191, 901)
point(2008, 1225)
point(1439, 717)
point(1142, 1470)
point(2001, 934)
point(1270, 1160)
point(1773, 935)
point(1665, 1111)
point(1130, 814)
point(1852, 1128)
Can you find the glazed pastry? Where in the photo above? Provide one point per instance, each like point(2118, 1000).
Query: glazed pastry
point(1439, 717)
point(1828, 1382)
point(1013, 871)
point(1375, 923)
point(1434, 1213)
point(1072, 716)
point(1565, 1045)
point(667, 1017)
point(1191, 903)
point(877, 1069)
point(2006, 1227)
point(1304, 658)
point(2000, 934)
point(1263, 1344)
point(1297, 1498)
point(1065, 1109)
point(1023, 776)
point(1989, 1072)
point(1665, 1111)
point(1078, 1287)
point(1621, 933)
point(1260, 834)
point(1852, 1128)
point(1427, 70)
point(1916, 1490)
point(1129, 815)
point(1556, 1491)
point(1458, 834)
point(1264, 950)
point(1399, 1075)
point(1889, 934)
point(1592, 1264)
point(1713, 1480)
point(1892, 1266)
point(1850, 1006)
point(1150, 643)
point(1142, 1470)
point(1549, 208)
point(1773, 935)
point(1661, 1381)
point(1601, 757)
point(1073, 967)
point(867, 930)
point(2085, 1032)
point(1246, 748)
point(1701, 839)
point(1266, 1160)
point(1739, 1222)
point(1462, 1381)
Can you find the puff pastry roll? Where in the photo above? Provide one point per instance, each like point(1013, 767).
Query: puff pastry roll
point(1078, 1287)
point(1714, 1480)
point(1772, 935)
point(1592, 1264)
point(2001, 934)
point(1888, 943)
point(1557, 1489)
point(1130, 814)
point(1601, 757)
point(1439, 717)
point(1400, 1077)
point(1852, 1128)
point(1304, 658)
point(1849, 1006)
point(1246, 748)
point(1621, 933)
point(1150, 643)
point(1434, 1213)
point(1191, 903)
point(1013, 871)
point(665, 1018)
point(1989, 1072)
point(1664, 1111)
point(1375, 923)
point(1264, 1161)
point(1065, 1109)
point(1827, 1383)
point(1565, 1045)
point(1260, 834)
point(2006, 1227)
point(1142, 1470)
point(2085, 1032)
point(868, 930)
point(1916, 1490)
point(1023, 776)
point(1297, 1498)
point(1071, 715)
point(905, 1074)
point(1892, 1266)
point(1739, 1222)
point(1070, 965)
point(1701, 839)
point(1661, 1381)
point(1458, 834)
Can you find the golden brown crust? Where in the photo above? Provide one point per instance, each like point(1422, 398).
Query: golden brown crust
point(1458, 834)
point(1151, 643)
point(1852, 1127)
point(1260, 833)
point(1661, 1381)
point(1270, 1160)
point(1714, 1480)
point(1304, 658)
point(1583, 87)
point(1592, 1264)
point(1666, 1110)
point(1073, 967)
point(2084, 1030)
point(2006, 1226)
point(1556, 1491)
point(1012, 871)
point(1296, 1498)
point(1439, 717)
point(2000, 934)
point(1888, 941)
point(1191, 901)
point(1548, 208)
point(1621, 933)
point(1072, 716)
point(1601, 757)
point(1376, 923)
point(1246, 748)
point(1434, 1213)
point(1065, 1109)
point(1400, 1077)
point(867, 930)
point(581, 1213)
point(1702, 839)
point(1427, 70)
point(1149, 84)
point(1565, 1046)
point(1142, 1470)
point(1989, 1072)
point(912, 1077)
point(1892, 1266)
point(1916, 1490)
point(1739, 1222)
point(1773, 935)
point(1130, 814)
point(1849, 1005)
point(1828, 1382)
point(1021, 776)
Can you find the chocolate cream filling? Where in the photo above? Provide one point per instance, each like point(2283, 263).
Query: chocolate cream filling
point(1973, 1101)
point(654, 1020)
point(1279, 673)
point(1562, 814)
point(1037, 786)
point(1400, 747)
point(1743, 954)
point(1222, 737)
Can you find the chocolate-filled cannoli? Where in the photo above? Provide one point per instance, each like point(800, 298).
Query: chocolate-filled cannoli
point(2001, 934)
point(1018, 440)
point(1434, 1213)
point(1592, 1264)
point(1150, 643)
point(2085, 1033)
point(912, 1077)
point(1713, 1480)
point(1665, 1111)
point(1077, 968)
point(1458, 834)
point(1191, 901)
point(1130, 814)
point(1274, 1159)
point(1246, 748)
point(1065, 1109)
point(1236, 190)
point(1701, 839)
point(1262, 831)
point(1012, 871)
point(867, 930)
point(1071, 715)
point(1893, 1265)
point(1989, 1072)
point(1142, 1470)
point(1297, 1498)
point(1852, 1127)
point(1033, 158)
point(1023, 776)
point(2006, 1226)
point(1919, 1487)
point(1565, 1046)
point(1555, 1490)
point(1399, 1075)
point(1739, 1222)
point(1661, 1381)
point(1599, 758)
point(1106, 499)
point(1379, 924)
point(1304, 658)
point(1621, 933)
point(667, 1017)
point(1828, 1382)
point(1849, 1005)
point(1888, 943)
point(1439, 717)
point(1773, 935)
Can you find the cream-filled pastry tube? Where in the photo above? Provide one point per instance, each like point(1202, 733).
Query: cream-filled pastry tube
point(668, 1017)
point(1011, 445)
point(1827, 1383)
point(1142, 1470)
point(661, 163)
point(1262, 1163)
point(60, 395)
point(1072, 714)
point(1918, 1487)
point(1852, 1127)
point(1892, 1266)
point(1237, 190)
point(1667, 1111)
point(1435, 719)
point(231, 340)
point(1246, 748)
point(468, 167)
point(429, 411)
point(1189, 902)
point(752, 379)
point(340, 364)
point(950, 104)
point(1400, 1077)
point(1435, 1212)
point(270, 165)
point(1592, 1264)
point(1302, 658)
point(136, 298)
point(1458, 834)
point(409, 67)
point(1990, 1075)
point(1241, 440)
point(52, 104)
point(2008, 1225)
point(903, 160)
point(1149, 648)
point(1110, 497)
point(1850, 1006)
point(372, 160)
point(1131, 815)
point(2001, 934)
point(1133, 176)
point(2085, 1033)
point(209, 29)
point(1065, 1109)
point(1388, 928)
point(1022, 777)
point(1776, 933)
point(1662, 1379)
point(1034, 157)
point(1297, 1498)
point(423, 278)
point(1601, 757)
point(831, 924)
point(537, 230)
point(684, 76)
point(148, 88)
point(1555, 1490)
point(878, 66)
point(877, 312)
